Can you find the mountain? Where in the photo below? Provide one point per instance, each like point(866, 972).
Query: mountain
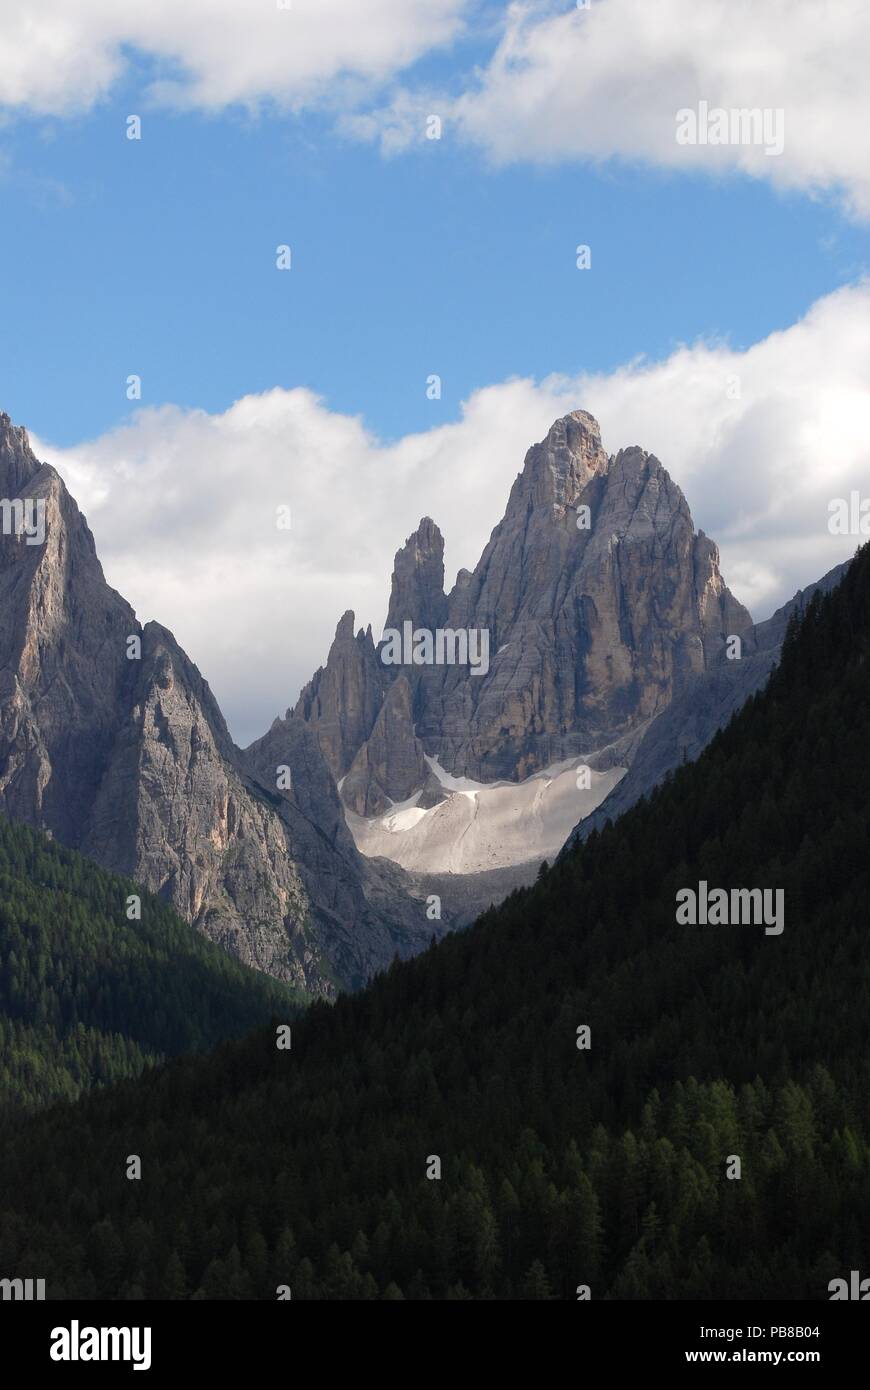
point(88, 995)
point(611, 1165)
point(683, 730)
point(111, 739)
point(594, 604)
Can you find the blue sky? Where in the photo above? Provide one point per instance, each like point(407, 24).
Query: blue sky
point(158, 257)
point(724, 324)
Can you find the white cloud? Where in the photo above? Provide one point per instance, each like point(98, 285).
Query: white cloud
point(561, 84)
point(567, 83)
point(60, 57)
point(182, 503)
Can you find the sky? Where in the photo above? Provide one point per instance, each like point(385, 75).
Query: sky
point(723, 322)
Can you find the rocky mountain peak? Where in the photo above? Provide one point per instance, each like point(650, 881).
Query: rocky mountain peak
point(122, 753)
point(343, 698)
point(594, 620)
point(344, 626)
point(418, 579)
point(18, 463)
point(558, 469)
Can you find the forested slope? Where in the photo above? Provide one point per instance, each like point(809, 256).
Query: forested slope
point(559, 1166)
point(88, 996)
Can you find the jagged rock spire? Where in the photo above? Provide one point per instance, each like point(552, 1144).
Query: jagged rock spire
point(558, 469)
point(417, 589)
point(592, 627)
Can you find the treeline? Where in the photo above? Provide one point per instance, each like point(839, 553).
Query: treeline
point(87, 996)
point(612, 1165)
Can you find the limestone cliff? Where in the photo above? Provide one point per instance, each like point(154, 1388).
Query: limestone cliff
point(111, 739)
point(599, 602)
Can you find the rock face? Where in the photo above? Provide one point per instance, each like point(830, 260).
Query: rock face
point(598, 602)
point(390, 765)
point(705, 705)
point(121, 751)
point(417, 590)
point(596, 633)
point(343, 699)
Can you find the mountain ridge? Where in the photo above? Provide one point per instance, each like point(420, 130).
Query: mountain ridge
point(563, 1159)
point(683, 730)
point(130, 762)
point(599, 603)
point(311, 854)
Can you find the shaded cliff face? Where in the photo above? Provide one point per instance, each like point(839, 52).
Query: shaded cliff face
point(592, 628)
point(63, 665)
point(417, 589)
point(703, 706)
point(130, 761)
point(390, 765)
point(343, 699)
point(598, 600)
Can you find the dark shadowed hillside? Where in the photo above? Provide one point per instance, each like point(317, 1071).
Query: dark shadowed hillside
point(560, 1167)
point(88, 997)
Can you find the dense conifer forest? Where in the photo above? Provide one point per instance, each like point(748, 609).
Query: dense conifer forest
point(88, 996)
point(560, 1166)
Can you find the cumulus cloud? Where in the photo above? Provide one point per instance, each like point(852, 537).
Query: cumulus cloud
point(568, 83)
point(183, 504)
point(562, 82)
point(60, 58)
